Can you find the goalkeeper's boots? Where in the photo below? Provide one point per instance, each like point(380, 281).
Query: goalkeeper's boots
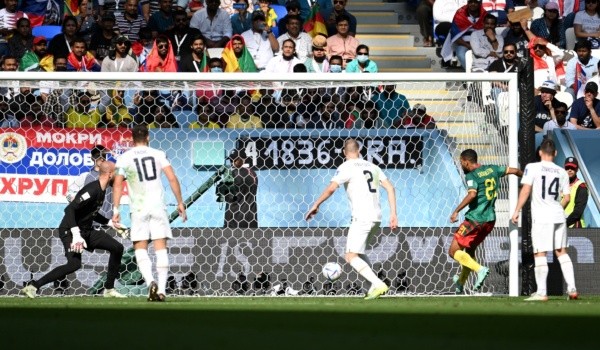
point(377, 292)
point(112, 293)
point(573, 295)
point(482, 274)
point(458, 287)
point(153, 292)
point(537, 297)
point(30, 291)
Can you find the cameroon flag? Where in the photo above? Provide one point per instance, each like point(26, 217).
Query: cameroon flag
point(71, 7)
point(314, 23)
point(233, 64)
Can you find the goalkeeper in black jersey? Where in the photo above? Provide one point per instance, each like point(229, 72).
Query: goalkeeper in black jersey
point(76, 233)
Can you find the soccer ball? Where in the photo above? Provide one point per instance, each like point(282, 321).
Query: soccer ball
point(332, 271)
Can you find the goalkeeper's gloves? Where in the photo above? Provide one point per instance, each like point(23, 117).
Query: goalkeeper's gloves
point(121, 230)
point(78, 243)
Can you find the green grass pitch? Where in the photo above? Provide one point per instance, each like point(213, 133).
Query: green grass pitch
point(300, 323)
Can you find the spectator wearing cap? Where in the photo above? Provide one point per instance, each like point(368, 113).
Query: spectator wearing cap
point(293, 9)
point(545, 104)
point(585, 111)
point(332, 15)
point(22, 40)
point(417, 118)
point(547, 59)
point(294, 32)
point(241, 20)
point(342, 43)
point(102, 39)
point(578, 196)
point(129, 22)
point(214, 23)
point(260, 41)
point(240, 207)
point(587, 24)
point(37, 59)
point(362, 63)
point(119, 59)
point(550, 26)
point(318, 63)
point(162, 20)
point(580, 69)
point(181, 35)
point(559, 120)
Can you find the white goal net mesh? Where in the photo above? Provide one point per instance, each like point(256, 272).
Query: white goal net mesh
point(248, 236)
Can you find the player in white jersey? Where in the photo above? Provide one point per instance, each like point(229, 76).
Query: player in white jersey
point(142, 166)
point(361, 180)
point(548, 185)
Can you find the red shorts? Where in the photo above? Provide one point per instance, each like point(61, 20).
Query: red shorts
point(470, 233)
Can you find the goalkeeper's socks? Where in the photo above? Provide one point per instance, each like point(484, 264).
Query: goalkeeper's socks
point(162, 269)
point(541, 274)
point(364, 270)
point(566, 265)
point(466, 260)
point(144, 265)
point(464, 274)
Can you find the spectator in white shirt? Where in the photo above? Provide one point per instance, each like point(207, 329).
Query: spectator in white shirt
point(260, 41)
point(214, 23)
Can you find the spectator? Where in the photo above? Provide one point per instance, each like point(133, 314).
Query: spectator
point(162, 21)
point(56, 99)
point(61, 44)
point(20, 104)
point(264, 6)
point(585, 111)
point(342, 43)
point(418, 118)
point(336, 64)
point(181, 36)
point(9, 15)
point(293, 9)
point(141, 48)
point(86, 21)
point(580, 69)
point(318, 63)
point(326, 117)
point(424, 15)
point(499, 9)
point(351, 115)
point(237, 57)
point(260, 41)
point(190, 6)
point(545, 104)
point(467, 19)
point(285, 62)
point(144, 101)
point(102, 39)
point(332, 15)
point(579, 195)
point(117, 114)
point(391, 105)
point(119, 59)
point(587, 24)
point(547, 59)
point(292, 117)
point(163, 118)
point(215, 65)
point(80, 60)
point(516, 35)
point(550, 26)
point(36, 117)
point(486, 45)
point(241, 21)
point(302, 40)
point(197, 60)
point(37, 59)
point(79, 115)
point(362, 63)
point(245, 117)
point(214, 23)
point(130, 21)
point(161, 58)
point(369, 117)
point(150, 7)
point(559, 120)
point(206, 118)
point(22, 40)
point(306, 7)
point(508, 64)
point(7, 117)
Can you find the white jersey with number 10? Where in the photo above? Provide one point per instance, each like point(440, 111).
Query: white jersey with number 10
point(142, 168)
point(361, 180)
point(549, 184)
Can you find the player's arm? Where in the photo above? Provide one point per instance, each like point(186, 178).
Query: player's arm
point(523, 196)
point(391, 194)
point(117, 194)
point(329, 190)
point(471, 195)
point(514, 171)
point(176, 188)
point(82, 198)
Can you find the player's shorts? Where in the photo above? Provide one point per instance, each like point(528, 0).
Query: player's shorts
point(359, 235)
point(471, 233)
point(548, 237)
point(150, 225)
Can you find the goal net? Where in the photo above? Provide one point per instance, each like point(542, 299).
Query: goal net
point(246, 233)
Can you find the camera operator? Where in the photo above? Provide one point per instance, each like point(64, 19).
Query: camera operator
point(241, 211)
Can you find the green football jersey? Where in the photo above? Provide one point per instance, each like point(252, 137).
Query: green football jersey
point(485, 180)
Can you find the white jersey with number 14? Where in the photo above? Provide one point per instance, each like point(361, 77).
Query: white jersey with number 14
point(549, 184)
point(142, 168)
point(361, 180)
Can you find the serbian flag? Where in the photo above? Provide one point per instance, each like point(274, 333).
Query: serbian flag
point(461, 23)
point(580, 80)
point(42, 11)
point(314, 23)
point(71, 8)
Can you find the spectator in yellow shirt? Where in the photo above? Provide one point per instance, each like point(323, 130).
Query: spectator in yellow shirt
point(80, 116)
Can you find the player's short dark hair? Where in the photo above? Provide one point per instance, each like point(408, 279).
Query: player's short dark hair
point(140, 133)
point(470, 155)
point(548, 147)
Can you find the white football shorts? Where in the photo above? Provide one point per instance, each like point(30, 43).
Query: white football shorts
point(150, 225)
point(547, 237)
point(359, 234)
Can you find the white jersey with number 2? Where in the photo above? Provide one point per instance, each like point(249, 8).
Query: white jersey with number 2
point(361, 180)
point(142, 167)
point(549, 184)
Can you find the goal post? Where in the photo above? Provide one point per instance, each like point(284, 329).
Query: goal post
point(296, 127)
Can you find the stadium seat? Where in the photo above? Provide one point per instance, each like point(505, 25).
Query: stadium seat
point(48, 32)
point(570, 38)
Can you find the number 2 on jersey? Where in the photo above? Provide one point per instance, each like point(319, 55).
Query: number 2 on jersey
point(146, 168)
point(552, 187)
point(490, 189)
point(369, 177)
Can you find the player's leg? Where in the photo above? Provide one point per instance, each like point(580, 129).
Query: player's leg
point(566, 265)
point(160, 232)
point(140, 234)
point(468, 236)
point(102, 240)
point(541, 245)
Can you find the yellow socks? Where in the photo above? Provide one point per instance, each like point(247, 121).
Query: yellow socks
point(466, 260)
point(464, 274)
